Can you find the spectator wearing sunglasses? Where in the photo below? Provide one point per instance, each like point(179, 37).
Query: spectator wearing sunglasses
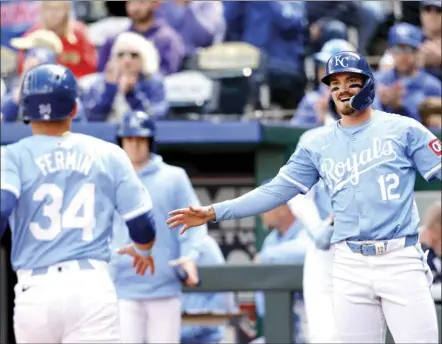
point(406, 88)
point(430, 50)
point(131, 81)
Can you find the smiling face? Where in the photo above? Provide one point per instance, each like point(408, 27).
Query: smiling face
point(343, 86)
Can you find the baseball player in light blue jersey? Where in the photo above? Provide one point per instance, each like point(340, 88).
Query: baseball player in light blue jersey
point(150, 307)
point(314, 211)
point(216, 303)
point(368, 161)
point(59, 191)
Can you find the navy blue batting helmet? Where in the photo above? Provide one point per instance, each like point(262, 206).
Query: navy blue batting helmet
point(351, 62)
point(405, 34)
point(48, 92)
point(138, 124)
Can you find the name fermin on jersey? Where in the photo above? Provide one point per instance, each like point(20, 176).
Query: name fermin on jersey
point(64, 160)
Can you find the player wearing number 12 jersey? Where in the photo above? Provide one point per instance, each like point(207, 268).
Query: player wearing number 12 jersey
point(367, 161)
point(60, 191)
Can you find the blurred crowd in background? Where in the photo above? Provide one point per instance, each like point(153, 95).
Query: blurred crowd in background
point(234, 60)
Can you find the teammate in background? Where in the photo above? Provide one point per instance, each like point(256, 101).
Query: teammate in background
point(432, 245)
point(287, 242)
point(368, 161)
point(60, 191)
point(314, 211)
point(216, 303)
point(150, 307)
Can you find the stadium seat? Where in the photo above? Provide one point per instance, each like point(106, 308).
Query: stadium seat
point(190, 92)
point(240, 70)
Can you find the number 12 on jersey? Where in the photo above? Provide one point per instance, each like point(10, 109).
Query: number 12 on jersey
point(388, 185)
point(83, 200)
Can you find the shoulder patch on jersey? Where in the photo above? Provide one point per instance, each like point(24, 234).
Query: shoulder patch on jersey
point(436, 147)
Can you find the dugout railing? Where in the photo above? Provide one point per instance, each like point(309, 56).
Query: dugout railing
point(278, 282)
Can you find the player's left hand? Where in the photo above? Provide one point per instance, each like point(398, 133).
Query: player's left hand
point(190, 269)
point(140, 263)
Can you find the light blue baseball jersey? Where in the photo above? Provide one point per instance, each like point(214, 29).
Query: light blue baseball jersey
point(68, 189)
point(170, 188)
point(369, 173)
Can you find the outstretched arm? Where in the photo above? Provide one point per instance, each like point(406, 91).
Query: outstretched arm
point(260, 200)
point(297, 176)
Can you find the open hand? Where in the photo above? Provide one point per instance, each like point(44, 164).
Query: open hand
point(140, 263)
point(190, 217)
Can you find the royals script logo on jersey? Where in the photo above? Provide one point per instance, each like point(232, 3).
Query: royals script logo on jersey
point(338, 173)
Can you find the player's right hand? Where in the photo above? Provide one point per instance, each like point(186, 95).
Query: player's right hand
point(190, 217)
point(140, 264)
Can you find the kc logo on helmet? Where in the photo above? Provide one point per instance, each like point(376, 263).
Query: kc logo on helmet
point(342, 61)
point(436, 147)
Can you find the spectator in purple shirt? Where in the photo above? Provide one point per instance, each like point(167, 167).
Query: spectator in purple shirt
point(131, 81)
point(200, 23)
point(167, 41)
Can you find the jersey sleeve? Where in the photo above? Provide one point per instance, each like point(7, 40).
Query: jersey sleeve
point(425, 149)
point(10, 173)
point(132, 198)
point(300, 169)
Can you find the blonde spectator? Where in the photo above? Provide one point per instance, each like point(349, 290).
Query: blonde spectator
point(131, 81)
point(78, 53)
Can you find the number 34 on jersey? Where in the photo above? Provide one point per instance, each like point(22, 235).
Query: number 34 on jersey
point(82, 203)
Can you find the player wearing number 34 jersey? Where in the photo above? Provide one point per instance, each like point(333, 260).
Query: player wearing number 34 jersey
point(368, 161)
point(60, 192)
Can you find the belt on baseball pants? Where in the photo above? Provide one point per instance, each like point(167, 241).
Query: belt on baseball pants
point(375, 248)
point(79, 264)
